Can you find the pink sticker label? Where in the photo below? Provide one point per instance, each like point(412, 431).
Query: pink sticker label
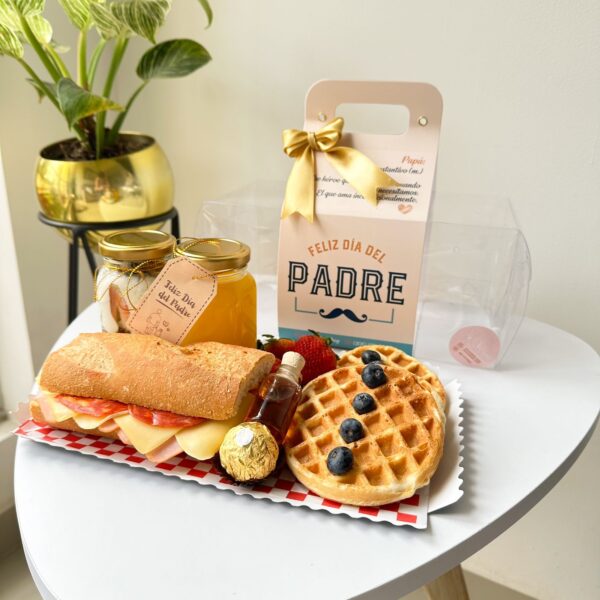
point(475, 346)
point(174, 301)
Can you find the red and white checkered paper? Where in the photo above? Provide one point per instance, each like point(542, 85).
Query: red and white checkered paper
point(283, 488)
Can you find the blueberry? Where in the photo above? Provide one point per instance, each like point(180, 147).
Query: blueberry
point(363, 403)
point(351, 430)
point(373, 375)
point(369, 356)
point(340, 460)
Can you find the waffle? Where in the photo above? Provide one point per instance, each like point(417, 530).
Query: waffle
point(402, 446)
point(394, 356)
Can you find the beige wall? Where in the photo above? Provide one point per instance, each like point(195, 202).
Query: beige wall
point(522, 119)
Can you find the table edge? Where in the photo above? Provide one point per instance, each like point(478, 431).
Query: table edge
point(444, 562)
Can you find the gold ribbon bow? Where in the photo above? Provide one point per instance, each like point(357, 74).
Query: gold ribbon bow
point(358, 170)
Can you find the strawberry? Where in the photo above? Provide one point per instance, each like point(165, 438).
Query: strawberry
point(276, 366)
point(276, 346)
point(318, 355)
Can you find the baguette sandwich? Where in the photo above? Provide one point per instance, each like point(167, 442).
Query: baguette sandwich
point(160, 398)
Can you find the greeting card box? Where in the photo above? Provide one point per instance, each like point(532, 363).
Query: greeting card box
point(353, 273)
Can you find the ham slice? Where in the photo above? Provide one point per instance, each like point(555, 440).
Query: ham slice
point(45, 407)
point(109, 426)
point(165, 452)
point(124, 438)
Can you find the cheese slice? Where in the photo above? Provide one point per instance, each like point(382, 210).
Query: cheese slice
point(59, 411)
point(203, 441)
point(143, 437)
point(91, 422)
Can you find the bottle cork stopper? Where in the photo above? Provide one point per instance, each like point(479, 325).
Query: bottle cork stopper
point(294, 361)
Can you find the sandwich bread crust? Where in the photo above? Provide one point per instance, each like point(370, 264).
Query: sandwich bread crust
point(207, 380)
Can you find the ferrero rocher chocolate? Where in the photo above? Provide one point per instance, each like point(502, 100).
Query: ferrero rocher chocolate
point(249, 452)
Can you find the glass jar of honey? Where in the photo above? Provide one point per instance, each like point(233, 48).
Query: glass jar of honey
point(230, 318)
point(131, 262)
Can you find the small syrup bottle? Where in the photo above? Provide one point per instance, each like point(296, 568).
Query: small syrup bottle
point(249, 451)
point(278, 397)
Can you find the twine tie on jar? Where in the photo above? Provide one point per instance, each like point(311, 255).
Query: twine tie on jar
point(141, 268)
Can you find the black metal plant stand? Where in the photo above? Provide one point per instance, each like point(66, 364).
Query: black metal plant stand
point(79, 231)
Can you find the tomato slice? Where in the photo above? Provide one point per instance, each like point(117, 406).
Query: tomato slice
point(96, 407)
point(162, 418)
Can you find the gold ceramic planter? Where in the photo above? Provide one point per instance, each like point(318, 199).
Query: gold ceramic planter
point(127, 187)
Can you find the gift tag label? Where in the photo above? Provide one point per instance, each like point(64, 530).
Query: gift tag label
point(175, 301)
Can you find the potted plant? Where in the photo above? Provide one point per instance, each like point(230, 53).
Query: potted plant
point(101, 174)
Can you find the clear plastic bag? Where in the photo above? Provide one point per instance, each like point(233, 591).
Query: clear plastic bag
point(249, 214)
point(475, 281)
point(475, 277)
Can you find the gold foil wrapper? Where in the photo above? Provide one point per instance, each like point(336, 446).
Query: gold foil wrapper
point(249, 452)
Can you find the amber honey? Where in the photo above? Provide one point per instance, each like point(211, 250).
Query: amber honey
point(278, 398)
point(230, 318)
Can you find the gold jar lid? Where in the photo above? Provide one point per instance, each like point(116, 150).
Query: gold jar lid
point(137, 244)
point(214, 254)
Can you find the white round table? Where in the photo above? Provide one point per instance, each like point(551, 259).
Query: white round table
point(97, 530)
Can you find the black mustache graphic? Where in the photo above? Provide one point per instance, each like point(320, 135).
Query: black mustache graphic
point(336, 312)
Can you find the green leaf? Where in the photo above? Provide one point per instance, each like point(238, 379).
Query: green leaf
point(29, 7)
point(46, 89)
point(78, 12)
point(41, 28)
point(208, 10)
point(77, 103)
point(10, 45)
point(107, 25)
point(175, 58)
point(143, 17)
point(8, 17)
